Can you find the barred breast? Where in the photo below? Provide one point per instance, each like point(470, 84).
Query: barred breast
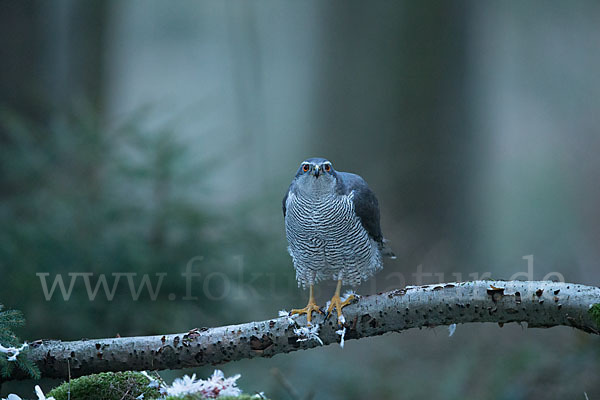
point(328, 241)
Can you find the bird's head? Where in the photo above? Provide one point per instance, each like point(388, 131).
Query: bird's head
point(316, 174)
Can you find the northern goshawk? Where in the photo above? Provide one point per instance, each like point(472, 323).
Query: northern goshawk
point(332, 226)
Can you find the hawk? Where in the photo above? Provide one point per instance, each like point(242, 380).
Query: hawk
point(332, 227)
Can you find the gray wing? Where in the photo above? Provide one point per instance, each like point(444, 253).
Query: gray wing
point(285, 199)
point(366, 205)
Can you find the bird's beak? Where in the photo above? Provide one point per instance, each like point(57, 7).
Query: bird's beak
point(317, 171)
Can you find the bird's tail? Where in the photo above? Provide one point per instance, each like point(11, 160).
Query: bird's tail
point(386, 251)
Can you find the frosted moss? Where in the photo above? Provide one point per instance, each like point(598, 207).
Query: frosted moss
point(108, 386)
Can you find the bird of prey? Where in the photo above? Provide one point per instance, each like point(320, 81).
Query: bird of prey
point(332, 226)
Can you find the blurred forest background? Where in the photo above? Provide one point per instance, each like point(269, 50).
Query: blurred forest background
point(137, 136)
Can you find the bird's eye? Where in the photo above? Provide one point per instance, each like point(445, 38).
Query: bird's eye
point(327, 167)
point(305, 167)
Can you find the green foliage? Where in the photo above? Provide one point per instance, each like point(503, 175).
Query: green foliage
point(106, 386)
point(10, 319)
point(79, 194)
point(98, 198)
point(595, 313)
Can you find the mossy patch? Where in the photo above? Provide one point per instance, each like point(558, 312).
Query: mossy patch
point(120, 386)
point(107, 386)
point(595, 313)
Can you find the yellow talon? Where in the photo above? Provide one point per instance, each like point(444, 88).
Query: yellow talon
point(337, 303)
point(310, 307)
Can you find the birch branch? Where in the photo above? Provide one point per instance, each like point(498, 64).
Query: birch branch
point(540, 304)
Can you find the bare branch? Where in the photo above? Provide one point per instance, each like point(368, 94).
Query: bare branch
point(539, 304)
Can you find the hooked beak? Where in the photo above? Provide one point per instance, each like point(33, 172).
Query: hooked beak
point(317, 171)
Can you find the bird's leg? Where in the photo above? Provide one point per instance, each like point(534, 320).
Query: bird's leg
point(337, 303)
point(310, 307)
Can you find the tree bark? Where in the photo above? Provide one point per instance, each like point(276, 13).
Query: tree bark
point(540, 304)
